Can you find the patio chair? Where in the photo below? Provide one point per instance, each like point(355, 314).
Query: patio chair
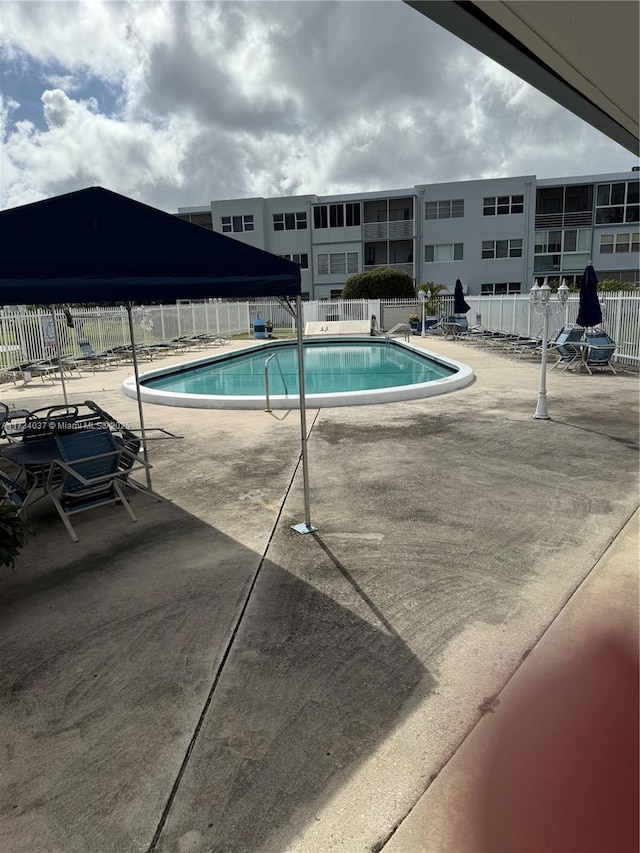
point(601, 349)
point(568, 353)
point(14, 492)
point(89, 475)
point(48, 421)
point(12, 422)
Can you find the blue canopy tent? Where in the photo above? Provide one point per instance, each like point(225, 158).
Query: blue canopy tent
point(94, 245)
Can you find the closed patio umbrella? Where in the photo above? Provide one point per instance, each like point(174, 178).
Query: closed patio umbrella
point(459, 304)
point(589, 312)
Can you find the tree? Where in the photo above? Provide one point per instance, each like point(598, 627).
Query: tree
point(382, 283)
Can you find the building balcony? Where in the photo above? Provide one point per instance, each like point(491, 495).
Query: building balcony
point(394, 230)
point(408, 268)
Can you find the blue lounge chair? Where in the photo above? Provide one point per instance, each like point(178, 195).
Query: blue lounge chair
point(87, 475)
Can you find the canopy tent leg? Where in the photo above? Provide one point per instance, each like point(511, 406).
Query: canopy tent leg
point(138, 395)
point(304, 526)
point(59, 354)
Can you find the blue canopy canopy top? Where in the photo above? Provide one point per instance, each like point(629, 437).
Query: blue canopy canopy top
point(94, 245)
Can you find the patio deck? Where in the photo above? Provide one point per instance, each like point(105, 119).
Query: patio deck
point(208, 679)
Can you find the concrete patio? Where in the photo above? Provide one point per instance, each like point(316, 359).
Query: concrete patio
point(207, 679)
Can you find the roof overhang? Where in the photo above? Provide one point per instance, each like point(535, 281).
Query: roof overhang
point(584, 54)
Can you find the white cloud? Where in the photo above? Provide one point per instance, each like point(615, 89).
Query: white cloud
point(240, 98)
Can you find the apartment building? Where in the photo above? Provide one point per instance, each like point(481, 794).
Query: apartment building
point(497, 235)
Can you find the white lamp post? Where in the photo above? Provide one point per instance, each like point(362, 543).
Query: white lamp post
point(541, 300)
point(422, 297)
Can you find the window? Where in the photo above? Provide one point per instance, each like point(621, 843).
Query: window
point(503, 204)
point(237, 224)
point(500, 288)
point(443, 252)
point(444, 209)
point(337, 263)
point(577, 240)
point(302, 259)
point(571, 240)
point(352, 213)
point(290, 221)
point(336, 215)
point(336, 294)
point(619, 202)
point(501, 249)
point(548, 242)
point(610, 243)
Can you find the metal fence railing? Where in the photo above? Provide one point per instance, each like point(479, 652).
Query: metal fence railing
point(27, 335)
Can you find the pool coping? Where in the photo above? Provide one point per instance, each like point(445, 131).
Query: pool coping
point(464, 376)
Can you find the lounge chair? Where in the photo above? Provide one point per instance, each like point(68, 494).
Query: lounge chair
point(28, 370)
point(87, 475)
point(92, 358)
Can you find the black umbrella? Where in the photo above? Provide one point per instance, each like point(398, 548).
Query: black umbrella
point(459, 304)
point(589, 312)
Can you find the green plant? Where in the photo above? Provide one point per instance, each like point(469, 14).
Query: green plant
point(413, 318)
point(13, 534)
point(433, 301)
point(381, 283)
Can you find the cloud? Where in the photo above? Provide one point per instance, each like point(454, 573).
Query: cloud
point(178, 103)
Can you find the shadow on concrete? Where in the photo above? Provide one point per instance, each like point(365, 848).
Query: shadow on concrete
point(109, 657)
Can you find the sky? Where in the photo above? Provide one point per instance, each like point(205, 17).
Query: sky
point(180, 103)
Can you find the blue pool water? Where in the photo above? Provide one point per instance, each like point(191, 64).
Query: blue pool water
point(328, 368)
point(338, 372)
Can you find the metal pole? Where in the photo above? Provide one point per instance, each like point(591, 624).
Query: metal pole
point(306, 526)
point(541, 412)
point(59, 354)
point(137, 376)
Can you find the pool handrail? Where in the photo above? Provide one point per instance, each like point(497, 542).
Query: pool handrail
point(405, 327)
point(267, 407)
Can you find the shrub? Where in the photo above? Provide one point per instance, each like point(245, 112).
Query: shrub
point(383, 283)
point(13, 534)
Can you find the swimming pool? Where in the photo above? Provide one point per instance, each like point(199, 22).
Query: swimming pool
point(339, 371)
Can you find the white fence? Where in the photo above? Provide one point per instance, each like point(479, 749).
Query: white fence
point(29, 335)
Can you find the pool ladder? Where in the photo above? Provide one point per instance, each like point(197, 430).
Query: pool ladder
point(404, 327)
point(267, 406)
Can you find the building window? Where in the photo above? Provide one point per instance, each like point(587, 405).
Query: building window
point(500, 288)
point(336, 215)
point(619, 202)
point(444, 209)
point(337, 263)
point(301, 259)
point(440, 252)
point(336, 294)
point(501, 205)
point(501, 249)
point(237, 224)
point(610, 243)
point(290, 221)
point(550, 246)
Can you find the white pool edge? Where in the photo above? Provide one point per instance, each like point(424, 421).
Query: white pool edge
point(460, 379)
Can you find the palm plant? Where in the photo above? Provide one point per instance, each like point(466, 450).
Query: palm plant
point(434, 297)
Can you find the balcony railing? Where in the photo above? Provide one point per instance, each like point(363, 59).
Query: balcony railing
point(396, 230)
point(564, 220)
point(408, 267)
